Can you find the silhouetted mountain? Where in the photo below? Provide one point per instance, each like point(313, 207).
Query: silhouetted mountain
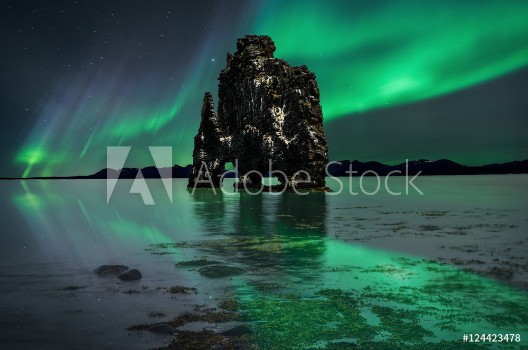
point(426, 167)
point(357, 167)
point(340, 168)
point(150, 172)
point(516, 167)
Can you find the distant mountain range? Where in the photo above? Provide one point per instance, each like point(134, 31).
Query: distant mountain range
point(427, 167)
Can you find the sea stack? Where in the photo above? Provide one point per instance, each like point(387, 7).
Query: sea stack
point(268, 111)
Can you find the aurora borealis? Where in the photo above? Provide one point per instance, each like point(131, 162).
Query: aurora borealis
point(398, 52)
point(398, 79)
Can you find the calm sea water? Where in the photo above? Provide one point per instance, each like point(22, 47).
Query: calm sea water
point(320, 270)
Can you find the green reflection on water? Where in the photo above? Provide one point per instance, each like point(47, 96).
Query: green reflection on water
point(306, 290)
point(303, 288)
point(378, 299)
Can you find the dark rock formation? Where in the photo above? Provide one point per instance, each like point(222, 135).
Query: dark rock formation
point(130, 275)
point(183, 290)
point(113, 270)
point(196, 263)
point(208, 147)
point(72, 288)
point(220, 271)
point(267, 111)
point(162, 328)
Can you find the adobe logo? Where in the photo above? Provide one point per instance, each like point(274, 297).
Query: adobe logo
point(115, 159)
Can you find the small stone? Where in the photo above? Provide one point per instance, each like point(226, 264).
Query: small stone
point(110, 269)
point(220, 271)
point(195, 263)
point(183, 290)
point(341, 345)
point(131, 291)
point(130, 275)
point(161, 328)
point(71, 288)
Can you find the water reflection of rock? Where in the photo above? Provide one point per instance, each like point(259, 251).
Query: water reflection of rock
point(209, 208)
point(269, 236)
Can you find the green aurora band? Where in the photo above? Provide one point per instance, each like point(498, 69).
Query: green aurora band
point(370, 56)
point(366, 56)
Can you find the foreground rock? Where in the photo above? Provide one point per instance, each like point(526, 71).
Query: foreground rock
point(220, 271)
point(195, 263)
point(130, 275)
point(110, 270)
point(268, 111)
point(162, 328)
point(72, 288)
point(237, 331)
point(183, 290)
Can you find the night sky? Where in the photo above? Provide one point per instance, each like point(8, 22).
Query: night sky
point(398, 79)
